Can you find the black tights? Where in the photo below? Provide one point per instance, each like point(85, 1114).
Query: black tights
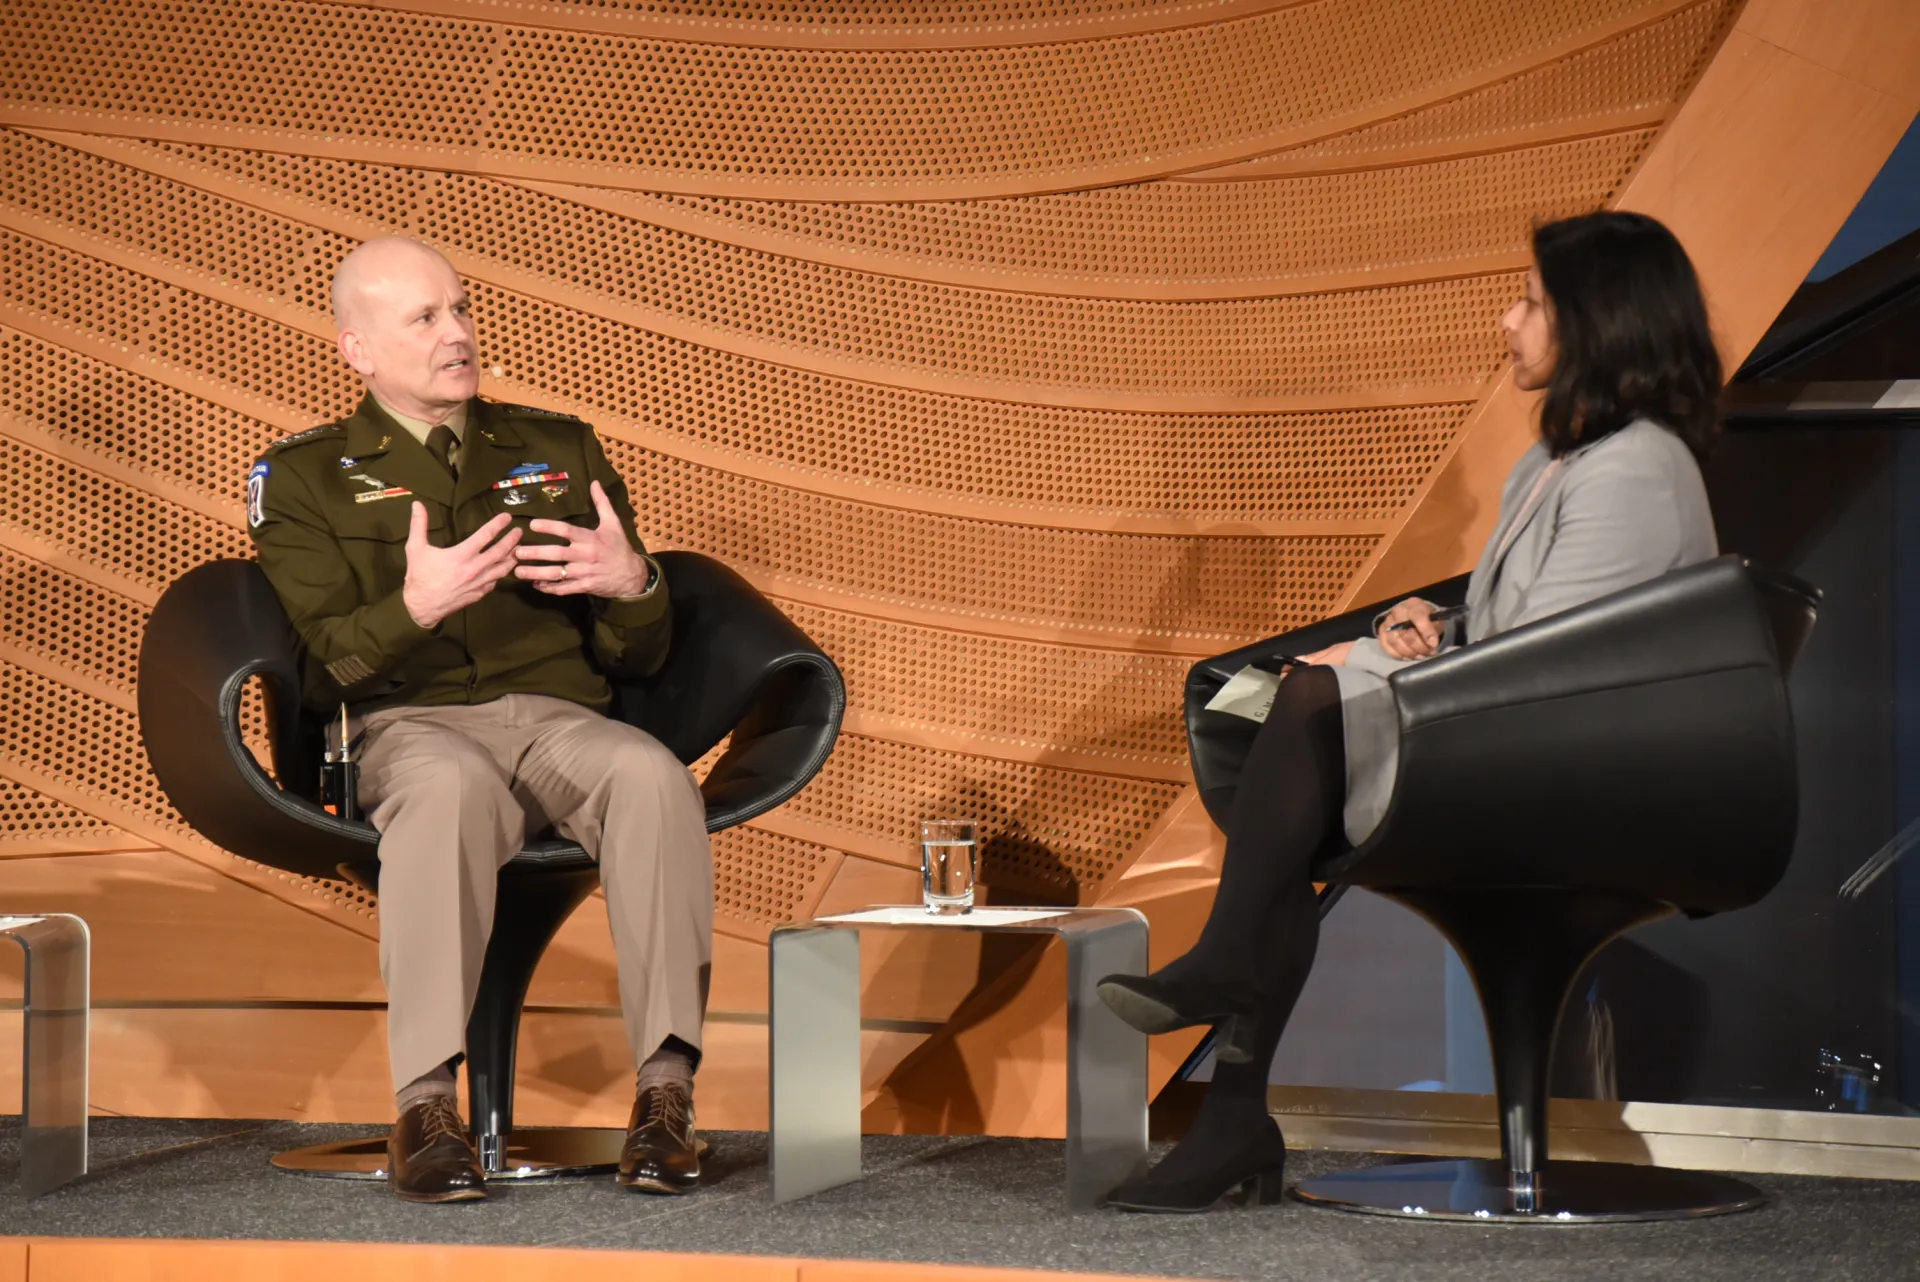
point(1265, 922)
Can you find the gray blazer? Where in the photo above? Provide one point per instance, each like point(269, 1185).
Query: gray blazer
point(1619, 512)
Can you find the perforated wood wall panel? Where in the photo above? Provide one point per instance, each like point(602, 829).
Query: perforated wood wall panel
point(863, 124)
point(1022, 350)
point(765, 879)
point(1187, 238)
point(33, 824)
point(1610, 85)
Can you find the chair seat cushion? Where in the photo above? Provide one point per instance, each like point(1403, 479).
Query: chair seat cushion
point(543, 854)
point(552, 853)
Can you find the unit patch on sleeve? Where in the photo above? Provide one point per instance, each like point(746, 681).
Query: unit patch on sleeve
point(257, 495)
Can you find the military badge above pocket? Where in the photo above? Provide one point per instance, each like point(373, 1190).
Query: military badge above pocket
point(530, 474)
point(376, 489)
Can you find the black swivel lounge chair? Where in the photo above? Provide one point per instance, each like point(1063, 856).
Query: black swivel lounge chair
point(1557, 786)
point(736, 666)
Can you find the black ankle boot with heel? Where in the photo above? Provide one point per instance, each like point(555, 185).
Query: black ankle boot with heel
point(1206, 1166)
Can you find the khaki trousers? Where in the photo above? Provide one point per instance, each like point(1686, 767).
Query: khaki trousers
point(454, 792)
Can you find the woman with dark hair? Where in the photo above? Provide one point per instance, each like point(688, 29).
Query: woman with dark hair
point(1613, 329)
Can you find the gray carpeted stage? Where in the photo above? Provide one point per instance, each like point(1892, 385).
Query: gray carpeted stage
point(934, 1200)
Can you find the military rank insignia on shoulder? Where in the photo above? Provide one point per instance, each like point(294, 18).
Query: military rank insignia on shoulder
point(300, 438)
point(534, 411)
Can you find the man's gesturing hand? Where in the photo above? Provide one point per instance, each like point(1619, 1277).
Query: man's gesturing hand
point(443, 581)
point(598, 562)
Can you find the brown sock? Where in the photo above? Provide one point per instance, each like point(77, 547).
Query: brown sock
point(666, 1066)
point(438, 1081)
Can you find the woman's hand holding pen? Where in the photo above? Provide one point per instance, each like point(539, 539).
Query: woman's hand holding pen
point(1410, 631)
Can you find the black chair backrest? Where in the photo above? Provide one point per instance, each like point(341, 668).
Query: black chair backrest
point(736, 666)
point(1641, 743)
point(1791, 605)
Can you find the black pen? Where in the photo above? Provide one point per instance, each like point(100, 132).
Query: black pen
point(1438, 616)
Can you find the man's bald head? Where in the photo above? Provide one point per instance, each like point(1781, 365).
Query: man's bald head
point(373, 267)
point(405, 326)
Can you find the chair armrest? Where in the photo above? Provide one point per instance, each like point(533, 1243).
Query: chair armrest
point(1704, 618)
point(213, 630)
point(1218, 742)
point(737, 666)
point(1350, 626)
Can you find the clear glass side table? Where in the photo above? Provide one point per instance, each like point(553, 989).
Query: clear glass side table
point(53, 1071)
point(814, 1035)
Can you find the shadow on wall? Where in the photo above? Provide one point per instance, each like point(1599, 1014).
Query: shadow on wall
point(932, 1090)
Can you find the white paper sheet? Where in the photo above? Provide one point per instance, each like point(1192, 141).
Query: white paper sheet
point(913, 915)
point(1249, 693)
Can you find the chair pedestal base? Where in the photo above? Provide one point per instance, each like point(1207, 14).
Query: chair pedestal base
point(535, 1153)
point(1475, 1191)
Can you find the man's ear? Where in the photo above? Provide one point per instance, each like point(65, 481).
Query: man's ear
point(353, 350)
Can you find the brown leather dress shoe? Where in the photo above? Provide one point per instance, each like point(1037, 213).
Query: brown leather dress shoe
point(661, 1154)
point(430, 1158)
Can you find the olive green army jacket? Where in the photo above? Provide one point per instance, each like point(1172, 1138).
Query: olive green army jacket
point(329, 510)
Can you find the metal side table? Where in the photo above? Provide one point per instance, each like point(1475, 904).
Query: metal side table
point(814, 1013)
point(53, 1070)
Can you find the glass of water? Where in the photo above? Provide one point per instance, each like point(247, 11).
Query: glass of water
point(949, 864)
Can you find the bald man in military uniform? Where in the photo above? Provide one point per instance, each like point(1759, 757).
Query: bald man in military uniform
point(465, 576)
